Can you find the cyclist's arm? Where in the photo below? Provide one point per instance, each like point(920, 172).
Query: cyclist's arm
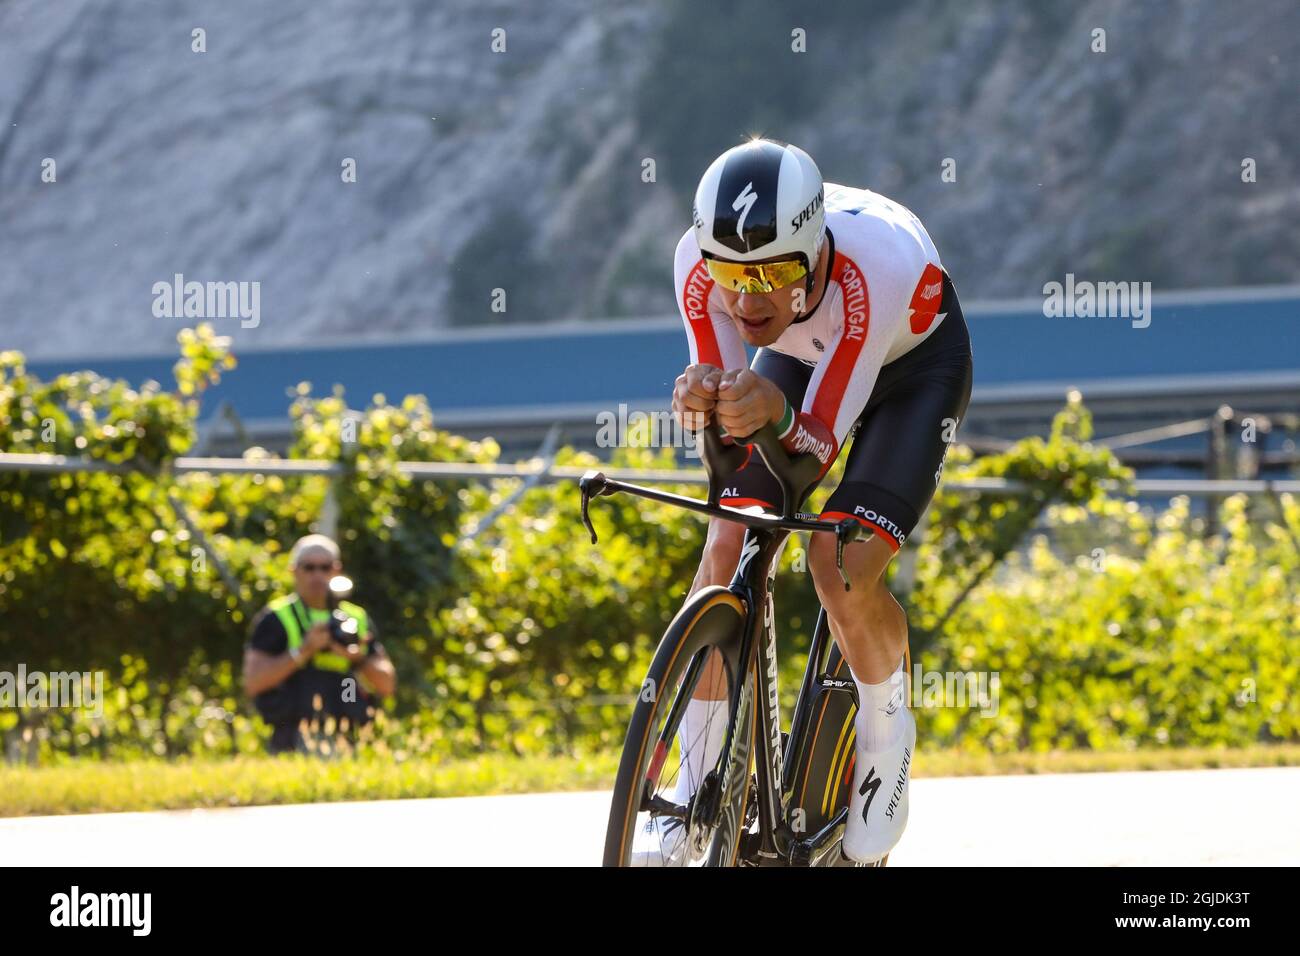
point(712, 337)
point(801, 431)
point(846, 375)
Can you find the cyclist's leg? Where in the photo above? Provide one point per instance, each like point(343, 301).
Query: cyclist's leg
point(890, 476)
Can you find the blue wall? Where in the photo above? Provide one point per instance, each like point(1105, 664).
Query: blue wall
point(640, 362)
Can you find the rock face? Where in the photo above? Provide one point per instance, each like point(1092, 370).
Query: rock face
point(558, 170)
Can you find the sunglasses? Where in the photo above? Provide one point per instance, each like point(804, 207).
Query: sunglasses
point(756, 276)
point(309, 568)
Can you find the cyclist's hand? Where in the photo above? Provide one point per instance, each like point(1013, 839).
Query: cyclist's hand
point(747, 402)
point(695, 394)
point(316, 639)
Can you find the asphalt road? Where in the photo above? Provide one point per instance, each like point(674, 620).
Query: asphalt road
point(1180, 818)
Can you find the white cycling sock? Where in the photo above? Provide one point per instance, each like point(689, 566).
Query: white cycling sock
point(879, 720)
point(703, 726)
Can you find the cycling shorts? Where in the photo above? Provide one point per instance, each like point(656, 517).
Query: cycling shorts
point(900, 439)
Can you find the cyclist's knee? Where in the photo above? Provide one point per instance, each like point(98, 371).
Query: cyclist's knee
point(864, 563)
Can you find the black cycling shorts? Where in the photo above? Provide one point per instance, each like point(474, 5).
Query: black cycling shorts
point(900, 439)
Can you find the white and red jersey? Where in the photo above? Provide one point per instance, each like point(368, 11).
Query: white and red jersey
point(881, 301)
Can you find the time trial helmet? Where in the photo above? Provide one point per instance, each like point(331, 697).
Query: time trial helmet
point(761, 201)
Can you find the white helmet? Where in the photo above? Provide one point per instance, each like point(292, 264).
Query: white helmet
point(761, 200)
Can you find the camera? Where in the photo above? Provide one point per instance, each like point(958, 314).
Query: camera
point(343, 629)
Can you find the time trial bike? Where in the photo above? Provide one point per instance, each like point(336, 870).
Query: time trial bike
point(774, 798)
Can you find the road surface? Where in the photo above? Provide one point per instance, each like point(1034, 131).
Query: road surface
point(1179, 818)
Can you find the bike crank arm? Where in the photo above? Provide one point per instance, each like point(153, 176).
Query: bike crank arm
point(815, 850)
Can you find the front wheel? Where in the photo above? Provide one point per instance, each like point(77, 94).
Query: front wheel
point(713, 620)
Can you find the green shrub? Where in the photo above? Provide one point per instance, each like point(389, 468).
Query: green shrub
point(1110, 628)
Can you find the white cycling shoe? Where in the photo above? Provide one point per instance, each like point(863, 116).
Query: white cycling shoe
point(878, 808)
point(661, 842)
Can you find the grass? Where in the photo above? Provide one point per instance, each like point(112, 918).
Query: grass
point(955, 763)
point(251, 781)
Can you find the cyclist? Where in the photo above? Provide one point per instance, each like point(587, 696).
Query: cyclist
point(858, 331)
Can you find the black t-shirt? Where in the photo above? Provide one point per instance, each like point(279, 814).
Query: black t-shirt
point(269, 635)
point(296, 697)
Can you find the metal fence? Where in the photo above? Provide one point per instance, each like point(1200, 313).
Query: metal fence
point(546, 472)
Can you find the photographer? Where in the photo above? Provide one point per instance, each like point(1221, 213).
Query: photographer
point(312, 655)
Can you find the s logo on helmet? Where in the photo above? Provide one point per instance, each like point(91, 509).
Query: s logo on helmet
point(747, 198)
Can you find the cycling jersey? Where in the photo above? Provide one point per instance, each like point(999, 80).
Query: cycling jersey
point(881, 301)
point(855, 361)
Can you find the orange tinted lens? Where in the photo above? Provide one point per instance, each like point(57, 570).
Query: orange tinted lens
point(782, 274)
point(755, 277)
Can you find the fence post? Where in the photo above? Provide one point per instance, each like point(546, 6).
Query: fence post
point(1216, 465)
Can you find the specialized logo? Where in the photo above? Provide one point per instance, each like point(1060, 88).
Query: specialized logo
point(773, 711)
point(895, 698)
point(747, 198)
point(898, 787)
point(817, 344)
point(751, 549)
point(807, 212)
point(938, 472)
point(868, 790)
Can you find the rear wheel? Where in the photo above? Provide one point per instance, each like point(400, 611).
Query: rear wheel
point(823, 781)
point(713, 620)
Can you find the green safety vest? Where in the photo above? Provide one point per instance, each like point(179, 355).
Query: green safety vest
point(298, 618)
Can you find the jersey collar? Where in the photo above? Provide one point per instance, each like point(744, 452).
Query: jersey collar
point(829, 251)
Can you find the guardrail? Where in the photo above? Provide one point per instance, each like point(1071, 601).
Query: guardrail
point(544, 472)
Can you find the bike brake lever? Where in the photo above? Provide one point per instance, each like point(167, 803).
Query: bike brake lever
point(846, 529)
point(592, 484)
point(586, 518)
